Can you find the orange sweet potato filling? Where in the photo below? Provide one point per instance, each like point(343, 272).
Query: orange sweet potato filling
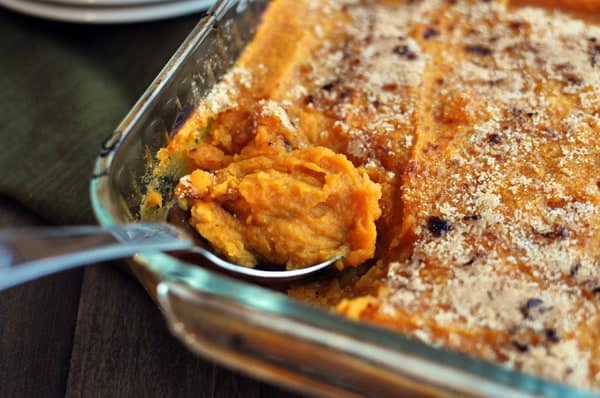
point(296, 208)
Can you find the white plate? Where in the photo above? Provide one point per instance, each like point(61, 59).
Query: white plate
point(107, 14)
point(102, 3)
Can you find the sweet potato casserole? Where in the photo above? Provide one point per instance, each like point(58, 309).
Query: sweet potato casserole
point(449, 150)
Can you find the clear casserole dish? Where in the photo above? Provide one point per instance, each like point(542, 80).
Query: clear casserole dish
point(248, 327)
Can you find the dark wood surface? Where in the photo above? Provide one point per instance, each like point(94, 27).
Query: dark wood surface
point(96, 333)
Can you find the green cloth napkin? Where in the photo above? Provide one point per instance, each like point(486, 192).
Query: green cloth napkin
point(63, 89)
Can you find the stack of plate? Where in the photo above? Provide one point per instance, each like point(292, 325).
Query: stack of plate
point(107, 11)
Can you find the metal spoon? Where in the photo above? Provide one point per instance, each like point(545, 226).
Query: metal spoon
point(28, 254)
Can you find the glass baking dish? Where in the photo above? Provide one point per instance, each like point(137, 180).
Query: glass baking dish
point(251, 328)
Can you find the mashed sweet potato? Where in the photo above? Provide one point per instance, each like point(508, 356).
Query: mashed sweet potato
point(295, 208)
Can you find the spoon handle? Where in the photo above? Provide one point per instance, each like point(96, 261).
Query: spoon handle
point(30, 253)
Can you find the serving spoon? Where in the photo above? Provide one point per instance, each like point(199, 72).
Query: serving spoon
point(30, 253)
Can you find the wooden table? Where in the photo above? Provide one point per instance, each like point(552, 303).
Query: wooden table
point(92, 332)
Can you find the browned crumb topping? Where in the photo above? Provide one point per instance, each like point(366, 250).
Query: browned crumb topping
point(481, 122)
